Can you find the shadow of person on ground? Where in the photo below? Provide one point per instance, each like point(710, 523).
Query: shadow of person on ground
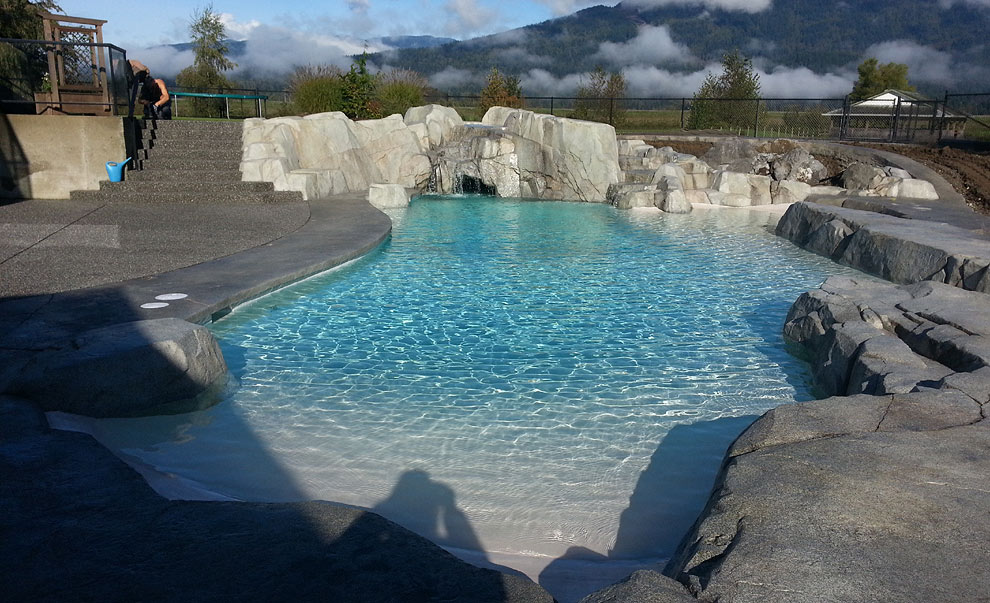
point(428, 508)
point(668, 497)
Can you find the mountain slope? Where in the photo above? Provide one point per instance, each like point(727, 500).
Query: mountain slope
point(794, 33)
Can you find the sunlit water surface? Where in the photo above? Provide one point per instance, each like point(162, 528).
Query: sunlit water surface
point(545, 386)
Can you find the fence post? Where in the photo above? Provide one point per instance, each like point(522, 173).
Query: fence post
point(756, 120)
point(844, 119)
point(551, 105)
point(941, 121)
point(683, 104)
point(896, 117)
point(611, 108)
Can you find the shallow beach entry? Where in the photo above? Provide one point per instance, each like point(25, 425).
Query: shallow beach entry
point(542, 386)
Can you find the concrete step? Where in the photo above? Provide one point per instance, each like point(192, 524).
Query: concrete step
point(192, 153)
point(185, 162)
point(182, 186)
point(150, 174)
point(153, 197)
point(193, 144)
point(184, 125)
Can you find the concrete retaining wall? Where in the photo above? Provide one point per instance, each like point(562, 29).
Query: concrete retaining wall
point(46, 156)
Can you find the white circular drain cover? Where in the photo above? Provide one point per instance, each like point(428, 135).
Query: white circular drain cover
point(171, 296)
point(153, 305)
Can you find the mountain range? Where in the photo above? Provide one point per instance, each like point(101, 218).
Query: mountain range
point(820, 36)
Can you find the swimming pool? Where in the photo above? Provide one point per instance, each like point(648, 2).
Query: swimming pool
point(544, 386)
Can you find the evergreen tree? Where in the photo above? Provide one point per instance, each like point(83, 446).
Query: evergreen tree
point(206, 72)
point(729, 100)
point(875, 77)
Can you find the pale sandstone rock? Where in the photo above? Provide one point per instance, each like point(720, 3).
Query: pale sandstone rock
point(789, 191)
point(440, 123)
point(388, 196)
point(578, 159)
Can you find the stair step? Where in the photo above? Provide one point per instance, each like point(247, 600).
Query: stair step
point(214, 153)
point(150, 174)
point(153, 197)
point(189, 125)
point(157, 162)
point(194, 144)
point(183, 186)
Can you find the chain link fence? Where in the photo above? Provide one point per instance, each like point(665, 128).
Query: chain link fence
point(975, 108)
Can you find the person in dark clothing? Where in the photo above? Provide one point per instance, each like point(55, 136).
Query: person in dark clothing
point(154, 94)
point(156, 100)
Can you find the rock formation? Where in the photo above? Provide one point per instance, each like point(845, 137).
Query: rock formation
point(737, 173)
point(147, 367)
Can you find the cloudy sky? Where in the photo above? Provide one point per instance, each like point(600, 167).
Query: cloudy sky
point(281, 34)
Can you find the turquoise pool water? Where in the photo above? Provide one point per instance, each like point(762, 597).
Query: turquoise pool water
point(540, 385)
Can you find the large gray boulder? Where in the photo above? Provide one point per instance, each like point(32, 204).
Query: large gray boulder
point(643, 586)
point(862, 177)
point(798, 164)
point(729, 150)
point(866, 336)
point(147, 367)
point(849, 499)
point(897, 249)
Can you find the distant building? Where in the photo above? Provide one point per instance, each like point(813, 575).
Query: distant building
point(896, 115)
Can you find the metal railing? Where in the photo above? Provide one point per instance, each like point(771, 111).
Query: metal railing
point(39, 76)
point(261, 101)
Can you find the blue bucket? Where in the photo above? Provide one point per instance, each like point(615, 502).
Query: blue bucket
point(116, 170)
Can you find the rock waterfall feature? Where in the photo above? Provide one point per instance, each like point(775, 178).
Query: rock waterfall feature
point(512, 153)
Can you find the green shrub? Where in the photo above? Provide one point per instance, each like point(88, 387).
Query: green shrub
point(397, 97)
point(318, 95)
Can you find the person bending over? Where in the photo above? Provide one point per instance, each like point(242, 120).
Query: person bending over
point(155, 98)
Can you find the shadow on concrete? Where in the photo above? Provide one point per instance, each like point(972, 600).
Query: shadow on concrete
point(14, 169)
point(79, 524)
point(668, 497)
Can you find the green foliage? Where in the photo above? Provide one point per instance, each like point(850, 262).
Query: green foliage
point(729, 100)
point(359, 92)
point(22, 18)
point(208, 41)
point(398, 90)
point(23, 70)
point(875, 77)
point(599, 99)
point(318, 95)
point(501, 91)
point(206, 72)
